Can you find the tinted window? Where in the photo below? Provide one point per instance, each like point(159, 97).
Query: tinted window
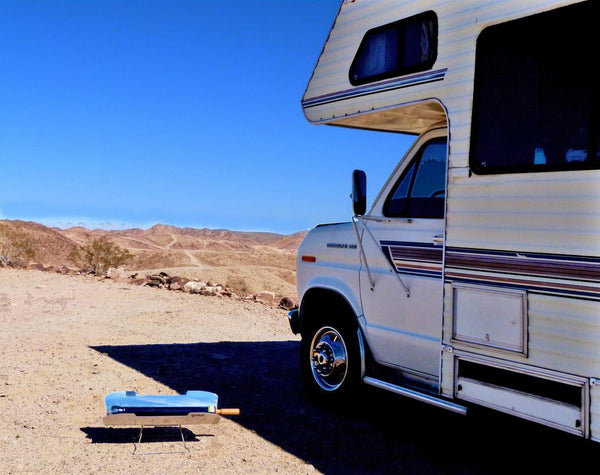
point(399, 48)
point(420, 191)
point(535, 105)
point(397, 202)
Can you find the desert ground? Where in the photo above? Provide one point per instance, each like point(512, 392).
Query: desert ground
point(66, 341)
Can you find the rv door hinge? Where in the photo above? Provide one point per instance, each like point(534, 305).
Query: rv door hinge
point(447, 349)
point(594, 382)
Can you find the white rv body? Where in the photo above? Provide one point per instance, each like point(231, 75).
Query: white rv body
point(502, 305)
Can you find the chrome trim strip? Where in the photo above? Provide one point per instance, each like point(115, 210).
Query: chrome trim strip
point(403, 332)
point(361, 349)
point(432, 400)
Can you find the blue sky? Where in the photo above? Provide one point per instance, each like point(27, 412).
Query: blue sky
point(122, 114)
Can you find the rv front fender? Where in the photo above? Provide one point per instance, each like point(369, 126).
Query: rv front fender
point(324, 293)
point(338, 286)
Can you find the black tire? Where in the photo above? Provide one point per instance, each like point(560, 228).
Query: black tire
point(330, 359)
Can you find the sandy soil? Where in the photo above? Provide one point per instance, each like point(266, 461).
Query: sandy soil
point(67, 341)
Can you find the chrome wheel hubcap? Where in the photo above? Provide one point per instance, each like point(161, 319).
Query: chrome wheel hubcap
point(329, 362)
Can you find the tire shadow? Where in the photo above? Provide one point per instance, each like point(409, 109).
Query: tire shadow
point(376, 432)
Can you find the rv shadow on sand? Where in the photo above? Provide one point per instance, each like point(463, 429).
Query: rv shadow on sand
point(379, 432)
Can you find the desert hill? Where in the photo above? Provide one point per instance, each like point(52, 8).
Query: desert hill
point(49, 246)
point(249, 262)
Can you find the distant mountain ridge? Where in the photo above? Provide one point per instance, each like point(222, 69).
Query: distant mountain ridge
point(53, 245)
point(187, 238)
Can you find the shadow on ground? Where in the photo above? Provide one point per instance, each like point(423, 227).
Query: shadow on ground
point(127, 435)
point(378, 433)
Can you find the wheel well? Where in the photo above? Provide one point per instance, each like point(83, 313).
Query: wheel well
point(317, 301)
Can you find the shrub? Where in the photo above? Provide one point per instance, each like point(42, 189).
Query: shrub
point(100, 255)
point(237, 284)
point(16, 247)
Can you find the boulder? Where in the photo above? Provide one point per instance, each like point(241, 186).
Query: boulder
point(177, 283)
point(161, 277)
point(265, 297)
point(175, 286)
point(194, 287)
point(287, 303)
point(36, 267)
point(117, 274)
point(153, 283)
point(209, 290)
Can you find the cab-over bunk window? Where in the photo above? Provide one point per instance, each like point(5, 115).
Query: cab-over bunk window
point(403, 47)
point(535, 104)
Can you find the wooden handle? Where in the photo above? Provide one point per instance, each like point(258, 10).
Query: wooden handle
point(228, 412)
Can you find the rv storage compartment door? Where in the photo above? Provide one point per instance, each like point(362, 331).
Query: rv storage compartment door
point(548, 397)
point(490, 317)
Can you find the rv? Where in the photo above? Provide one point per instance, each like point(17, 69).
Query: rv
point(473, 277)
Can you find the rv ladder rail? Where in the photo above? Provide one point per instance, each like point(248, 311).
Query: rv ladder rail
point(434, 401)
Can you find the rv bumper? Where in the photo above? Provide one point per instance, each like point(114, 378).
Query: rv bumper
point(294, 318)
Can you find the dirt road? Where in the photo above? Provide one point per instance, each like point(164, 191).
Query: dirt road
point(67, 341)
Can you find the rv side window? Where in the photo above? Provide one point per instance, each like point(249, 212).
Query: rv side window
point(420, 191)
point(535, 105)
point(399, 48)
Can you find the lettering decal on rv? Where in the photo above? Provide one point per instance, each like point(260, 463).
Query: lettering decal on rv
point(341, 245)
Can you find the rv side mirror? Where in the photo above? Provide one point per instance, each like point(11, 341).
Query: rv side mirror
point(359, 192)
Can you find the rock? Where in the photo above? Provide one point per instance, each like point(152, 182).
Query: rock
point(36, 267)
point(209, 290)
point(117, 274)
point(175, 286)
point(288, 303)
point(176, 282)
point(161, 278)
point(266, 297)
point(153, 283)
point(194, 287)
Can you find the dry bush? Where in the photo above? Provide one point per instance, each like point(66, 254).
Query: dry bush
point(16, 247)
point(237, 284)
point(100, 255)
